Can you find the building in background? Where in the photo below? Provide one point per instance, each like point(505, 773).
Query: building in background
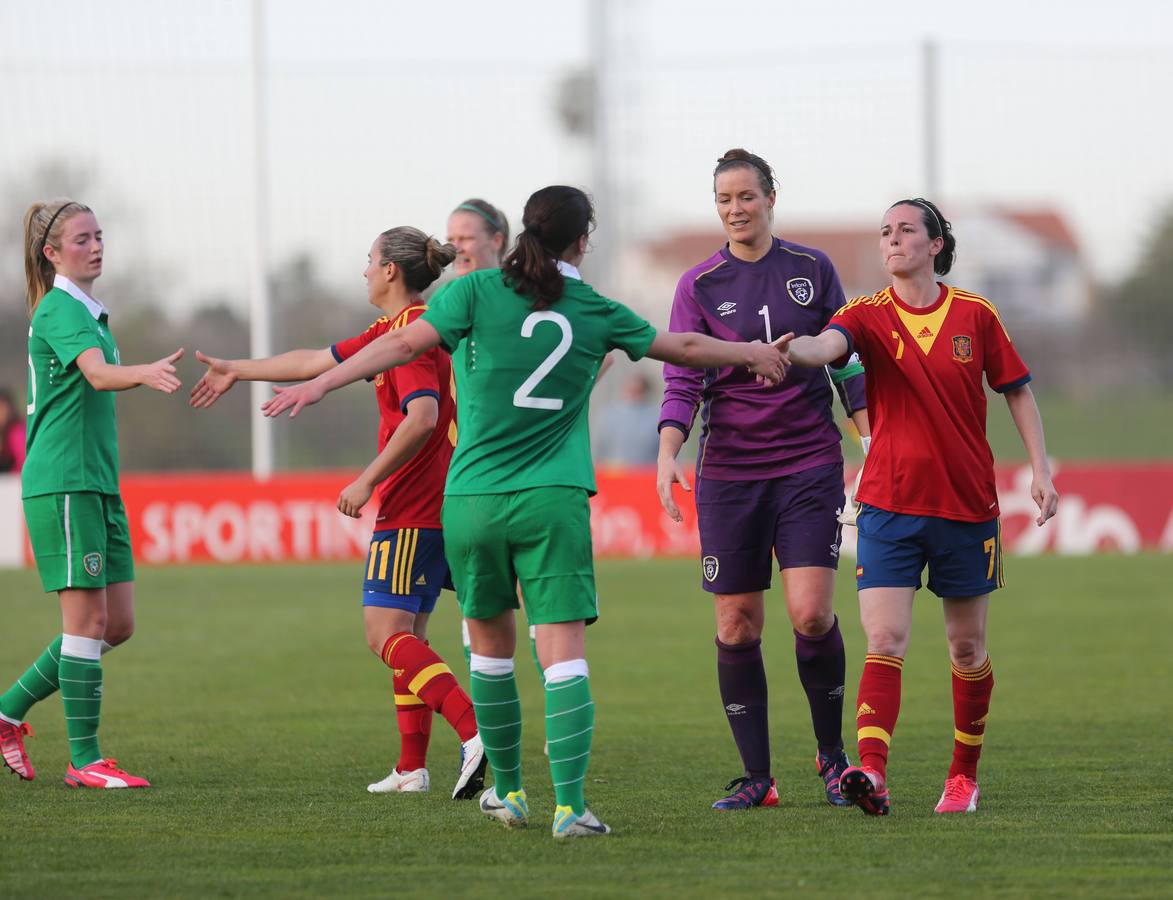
point(1025, 260)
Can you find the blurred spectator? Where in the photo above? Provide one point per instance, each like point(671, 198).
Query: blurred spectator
point(626, 434)
point(11, 435)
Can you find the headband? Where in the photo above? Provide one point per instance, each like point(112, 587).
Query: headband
point(60, 209)
point(924, 205)
point(468, 207)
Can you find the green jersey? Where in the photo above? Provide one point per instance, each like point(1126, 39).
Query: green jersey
point(72, 433)
point(524, 379)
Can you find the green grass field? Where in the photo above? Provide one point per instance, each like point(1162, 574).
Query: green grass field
point(249, 699)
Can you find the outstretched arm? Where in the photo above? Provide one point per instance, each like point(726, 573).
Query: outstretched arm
point(814, 351)
point(1025, 412)
point(395, 348)
point(295, 365)
point(699, 351)
point(104, 376)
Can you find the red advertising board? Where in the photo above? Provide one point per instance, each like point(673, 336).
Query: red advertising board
point(234, 518)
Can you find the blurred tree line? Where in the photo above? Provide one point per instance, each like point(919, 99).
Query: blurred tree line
point(160, 432)
point(1121, 350)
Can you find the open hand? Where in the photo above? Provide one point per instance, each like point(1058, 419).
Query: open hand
point(295, 398)
point(669, 471)
point(216, 381)
point(160, 375)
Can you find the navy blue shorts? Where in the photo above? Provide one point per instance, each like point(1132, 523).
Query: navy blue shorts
point(743, 523)
point(406, 569)
point(964, 558)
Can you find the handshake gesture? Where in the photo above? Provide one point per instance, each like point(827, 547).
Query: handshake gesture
point(770, 362)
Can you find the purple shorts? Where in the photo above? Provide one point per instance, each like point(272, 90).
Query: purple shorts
point(742, 523)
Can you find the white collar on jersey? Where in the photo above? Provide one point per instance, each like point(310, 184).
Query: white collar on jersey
point(97, 310)
point(567, 270)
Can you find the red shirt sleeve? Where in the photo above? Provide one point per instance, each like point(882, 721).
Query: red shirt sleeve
point(850, 322)
point(1005, 369)
point(343, 350)
point(419, 378)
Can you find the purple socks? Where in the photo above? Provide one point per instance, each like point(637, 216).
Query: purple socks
point(822, 667)
point(741, 676)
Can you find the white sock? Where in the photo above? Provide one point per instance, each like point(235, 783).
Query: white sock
point(490, 665)
point(564, 671)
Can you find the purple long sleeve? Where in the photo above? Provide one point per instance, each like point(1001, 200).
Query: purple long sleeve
point(750, 431)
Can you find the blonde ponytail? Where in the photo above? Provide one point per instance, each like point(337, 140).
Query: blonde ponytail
point(43, 224)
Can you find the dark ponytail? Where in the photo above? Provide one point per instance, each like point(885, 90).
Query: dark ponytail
point(938, 227)
point(554, 218)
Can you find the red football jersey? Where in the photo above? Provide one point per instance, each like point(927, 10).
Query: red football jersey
point(412, 496)
point(929, 455)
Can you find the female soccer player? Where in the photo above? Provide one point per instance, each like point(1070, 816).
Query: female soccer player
point(405, 569)
point(927, 491)
point(76, 521)
point(480, 233)
point(769, 472)
point(515, 504)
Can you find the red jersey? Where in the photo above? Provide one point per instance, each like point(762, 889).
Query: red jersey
point(929, 455)
point(411, 496)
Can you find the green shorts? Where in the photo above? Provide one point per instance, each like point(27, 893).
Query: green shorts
point(80, 541)
point(539, 537)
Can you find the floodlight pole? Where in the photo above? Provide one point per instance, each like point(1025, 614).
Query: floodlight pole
point(260, 337)
point(602, 243)
point(931, 144)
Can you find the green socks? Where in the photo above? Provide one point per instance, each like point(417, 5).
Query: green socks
point(80, 674)
point(39, 682)
point(498, 712)
point(570, 722)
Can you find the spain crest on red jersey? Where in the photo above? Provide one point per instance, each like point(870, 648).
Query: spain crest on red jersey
point(963, 348)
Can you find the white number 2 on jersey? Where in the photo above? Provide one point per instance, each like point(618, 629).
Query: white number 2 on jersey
point(523, 396)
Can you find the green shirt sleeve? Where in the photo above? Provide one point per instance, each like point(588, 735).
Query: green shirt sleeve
point(628, 332)
point(68, 328)
point(450, 312)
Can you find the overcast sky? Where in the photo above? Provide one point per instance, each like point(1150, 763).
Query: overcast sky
point(386, 113)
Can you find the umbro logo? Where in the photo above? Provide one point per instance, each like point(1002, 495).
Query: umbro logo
point(735, 709)
point(925, 332)
point(864, 710)
point(728, 308)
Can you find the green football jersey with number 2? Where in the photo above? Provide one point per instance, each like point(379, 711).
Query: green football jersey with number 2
point(524, 379)
point(72, 430)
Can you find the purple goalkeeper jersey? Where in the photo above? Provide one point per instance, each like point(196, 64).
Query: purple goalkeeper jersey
point(752, 431)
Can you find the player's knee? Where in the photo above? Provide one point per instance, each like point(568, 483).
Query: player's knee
point(813, 623)
point(118, 633)
point(738, 630)
point(967, 652)
point(376, 642)
point(887, 642)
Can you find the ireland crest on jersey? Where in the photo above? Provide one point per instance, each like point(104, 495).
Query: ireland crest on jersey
point(801, 290)
point(93, 564)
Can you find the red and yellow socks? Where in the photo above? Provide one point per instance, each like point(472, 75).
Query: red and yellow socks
point(971, 705)
point(429, 678)
point(878, 705)
point(414, 718)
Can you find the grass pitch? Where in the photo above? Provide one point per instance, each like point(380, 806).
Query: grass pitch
point(249, 699)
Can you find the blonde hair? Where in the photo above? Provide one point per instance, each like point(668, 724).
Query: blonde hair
point(421, 257)
point(43, 224)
